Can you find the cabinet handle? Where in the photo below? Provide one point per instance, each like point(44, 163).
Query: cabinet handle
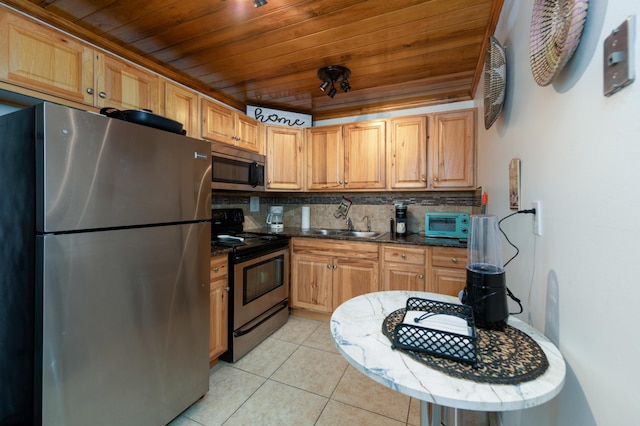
point(454, 260)
point(102, 95)
point(90, 90)
point(421, 276)
point(404, 256)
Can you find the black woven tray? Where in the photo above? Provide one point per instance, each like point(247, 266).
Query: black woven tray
point(454, 346)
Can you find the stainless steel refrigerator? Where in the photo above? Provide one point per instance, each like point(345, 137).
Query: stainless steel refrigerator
point(104, 283)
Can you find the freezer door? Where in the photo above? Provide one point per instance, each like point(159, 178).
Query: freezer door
point(96, 172)
point(125, 324)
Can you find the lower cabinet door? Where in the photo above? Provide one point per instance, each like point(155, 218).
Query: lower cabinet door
point(404, 277)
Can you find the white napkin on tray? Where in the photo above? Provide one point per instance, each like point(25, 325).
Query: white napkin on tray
point(440, 322)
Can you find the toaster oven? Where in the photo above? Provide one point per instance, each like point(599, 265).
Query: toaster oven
point(446, 225)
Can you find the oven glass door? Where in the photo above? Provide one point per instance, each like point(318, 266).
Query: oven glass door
point(260, 284)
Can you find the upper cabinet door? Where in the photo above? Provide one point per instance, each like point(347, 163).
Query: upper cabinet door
point(217, 122)
point(365, 155)
point(408, 153)
point(223, 124)
point(325, 158)
point(285, 158)
point(44, 60)
point(181, 105)
point(248, 134)
point(125, 86)
point(453, 150)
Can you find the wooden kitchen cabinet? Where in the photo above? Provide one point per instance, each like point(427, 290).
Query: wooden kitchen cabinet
point(404, 267)
point(182, 105)
point(223, 124)
point(346, 157)
point(452, 150)
point(325, 158)
point(326, 273)
point(448, 270)
point(125, 86)
point(219, 307)
point(285, 158)
point(36, 57)
point(45, 60)
point(408, 152)
point(364, 155)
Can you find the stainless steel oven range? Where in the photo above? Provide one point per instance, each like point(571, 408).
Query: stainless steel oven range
point(258, 281)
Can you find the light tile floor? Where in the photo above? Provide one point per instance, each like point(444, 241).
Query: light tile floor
point(297, 377)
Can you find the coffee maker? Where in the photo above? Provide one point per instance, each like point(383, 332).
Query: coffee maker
point(486, 291)
point(275, 218)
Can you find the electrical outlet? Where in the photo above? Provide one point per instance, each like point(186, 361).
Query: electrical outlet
point(537, 218)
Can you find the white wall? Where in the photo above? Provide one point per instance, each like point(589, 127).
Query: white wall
point(580, 155)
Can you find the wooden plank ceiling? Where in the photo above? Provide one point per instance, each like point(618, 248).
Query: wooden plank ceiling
point(401, 53)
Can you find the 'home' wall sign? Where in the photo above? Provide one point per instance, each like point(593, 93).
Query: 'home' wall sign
point(281, 118)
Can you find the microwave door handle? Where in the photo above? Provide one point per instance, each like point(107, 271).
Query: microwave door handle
point(253, 174)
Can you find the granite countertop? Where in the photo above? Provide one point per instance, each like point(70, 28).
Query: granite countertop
point(386, 238)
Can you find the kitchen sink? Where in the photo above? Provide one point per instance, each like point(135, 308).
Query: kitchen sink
point(328, 231)
point(345, 233)
point(361, 234)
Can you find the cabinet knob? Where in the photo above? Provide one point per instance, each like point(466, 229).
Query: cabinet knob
point(421, 276)
point(404, 256)
point(102, 95)
point(328, 266)
point(346, 182)
point(227, 288)
point(340, 182)
point(269, 181)
point(216, 269)
point(435, 179)
point(335, 267)
point(454, 260)
point(90, 90)
point(423, 179)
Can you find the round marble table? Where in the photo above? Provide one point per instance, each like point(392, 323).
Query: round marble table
point(356, 327)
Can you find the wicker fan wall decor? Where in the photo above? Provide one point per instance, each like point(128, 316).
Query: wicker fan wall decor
point(556, 28)
point(495, 81)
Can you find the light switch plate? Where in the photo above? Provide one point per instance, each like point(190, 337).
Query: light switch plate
point(619, 57)
point(254, 204)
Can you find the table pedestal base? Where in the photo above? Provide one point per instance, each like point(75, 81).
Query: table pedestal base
point(449, 416)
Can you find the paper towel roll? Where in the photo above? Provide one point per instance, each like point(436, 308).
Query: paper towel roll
point(305, 217)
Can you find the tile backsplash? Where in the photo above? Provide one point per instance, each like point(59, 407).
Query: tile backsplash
point(378, 207)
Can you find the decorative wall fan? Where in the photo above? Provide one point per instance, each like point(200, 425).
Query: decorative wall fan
point(556, 28)
point(495, 79)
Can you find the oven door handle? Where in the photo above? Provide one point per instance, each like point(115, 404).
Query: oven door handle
point(284, 304)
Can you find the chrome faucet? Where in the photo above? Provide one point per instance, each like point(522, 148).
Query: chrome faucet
point(349, 224)
point(368, 222)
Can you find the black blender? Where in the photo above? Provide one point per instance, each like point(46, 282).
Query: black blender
point(486, 290)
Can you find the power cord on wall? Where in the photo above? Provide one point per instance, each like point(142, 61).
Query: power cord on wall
point(528, 211)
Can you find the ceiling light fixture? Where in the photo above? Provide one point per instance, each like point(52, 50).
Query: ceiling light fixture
point(334, 74)
point(258, 3)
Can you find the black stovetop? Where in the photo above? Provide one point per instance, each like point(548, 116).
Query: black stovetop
point(228, 223)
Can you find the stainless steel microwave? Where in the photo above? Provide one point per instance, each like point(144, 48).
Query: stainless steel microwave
point(236, 169)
